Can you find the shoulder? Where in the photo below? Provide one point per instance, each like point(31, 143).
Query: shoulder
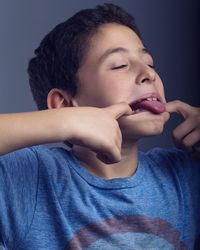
point(52, 156)
point(19, 161)
point(50, 153)
point(30, 160)
point(175, 162)
point(54, 164)
point(172, 156)
point(30, 155)
point(19, 167)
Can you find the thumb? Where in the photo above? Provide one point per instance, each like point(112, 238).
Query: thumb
point(179, 107)
point(119, 109)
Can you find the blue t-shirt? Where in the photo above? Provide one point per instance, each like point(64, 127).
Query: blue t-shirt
point(48, 200)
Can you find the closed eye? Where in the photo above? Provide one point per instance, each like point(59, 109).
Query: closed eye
point(152, 66)
point(119, 67)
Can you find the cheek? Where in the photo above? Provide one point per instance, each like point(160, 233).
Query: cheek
point(118, 83)
point(99, 92)
point(112, 88)
point(160, 88)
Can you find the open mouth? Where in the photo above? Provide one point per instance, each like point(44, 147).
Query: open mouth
point(152, 104)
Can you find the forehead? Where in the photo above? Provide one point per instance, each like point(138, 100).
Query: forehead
point(111, 36)
point(116, 32)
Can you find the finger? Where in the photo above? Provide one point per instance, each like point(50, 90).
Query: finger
point(179, 107)
point(119, 137)
point(114, 155)
point(110, 151)
point(110, 158)
point(104, 158)
point(191, 140)
point(183, 130)
point(118, 143)
point(119, 109)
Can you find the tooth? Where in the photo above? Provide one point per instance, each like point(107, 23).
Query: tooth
point(154, 99)
point(149, 99)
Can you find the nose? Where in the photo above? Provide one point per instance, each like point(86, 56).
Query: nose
point(146, 74)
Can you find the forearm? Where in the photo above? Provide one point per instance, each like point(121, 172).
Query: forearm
point(31, 128)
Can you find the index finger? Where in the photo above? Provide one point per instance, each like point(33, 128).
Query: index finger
point(179, 107)
point(119, 109)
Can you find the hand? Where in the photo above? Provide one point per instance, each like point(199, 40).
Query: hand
point(186, 135)
point(98, 130)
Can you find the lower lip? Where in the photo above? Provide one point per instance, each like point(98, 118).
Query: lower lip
point(142, 111)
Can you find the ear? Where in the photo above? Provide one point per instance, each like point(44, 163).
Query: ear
point(58, 98)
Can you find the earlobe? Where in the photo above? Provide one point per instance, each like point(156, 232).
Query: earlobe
point(58, 98)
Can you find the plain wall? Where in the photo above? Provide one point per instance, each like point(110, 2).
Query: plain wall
point(169, 30)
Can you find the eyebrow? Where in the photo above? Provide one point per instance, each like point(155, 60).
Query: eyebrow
point(111, 51)
point(146, 51)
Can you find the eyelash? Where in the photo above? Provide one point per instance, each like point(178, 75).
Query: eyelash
point(124, 65)
point(119, 67)
point(152, 66)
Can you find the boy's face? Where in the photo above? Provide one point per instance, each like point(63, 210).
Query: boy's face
point(120, 76)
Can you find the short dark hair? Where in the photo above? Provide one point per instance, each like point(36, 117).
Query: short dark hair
point(61, 52)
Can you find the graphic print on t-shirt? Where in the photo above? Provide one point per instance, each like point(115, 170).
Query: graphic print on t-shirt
point(128, 232)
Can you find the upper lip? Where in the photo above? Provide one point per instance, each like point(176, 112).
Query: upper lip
point(145, 96)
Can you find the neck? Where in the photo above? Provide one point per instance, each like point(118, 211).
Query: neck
point(126, 167)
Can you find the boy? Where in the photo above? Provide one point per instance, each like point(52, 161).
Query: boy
point(96, 88)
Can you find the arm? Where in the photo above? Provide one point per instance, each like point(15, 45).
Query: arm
point(27, 129)
point(95, 128)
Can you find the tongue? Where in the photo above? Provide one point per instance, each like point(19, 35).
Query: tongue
point(153, 106)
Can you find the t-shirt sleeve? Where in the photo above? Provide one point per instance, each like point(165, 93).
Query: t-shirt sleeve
point(18, 191)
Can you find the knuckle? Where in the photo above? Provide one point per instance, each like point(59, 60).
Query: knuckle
point(125, 105)
point(110, 144)
point(119, 136)
point(118, 142)
point(186, 143)
point(117, 155)
point(116, 127)
point(178, 103)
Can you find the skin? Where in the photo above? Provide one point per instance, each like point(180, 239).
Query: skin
point(120, 85)
point(114, 86)
point(100, 85)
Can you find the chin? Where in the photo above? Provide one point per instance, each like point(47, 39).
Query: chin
point(143, 125)
point(154, 128)
point(151, 129)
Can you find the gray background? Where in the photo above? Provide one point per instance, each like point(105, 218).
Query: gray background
point(169, 29)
